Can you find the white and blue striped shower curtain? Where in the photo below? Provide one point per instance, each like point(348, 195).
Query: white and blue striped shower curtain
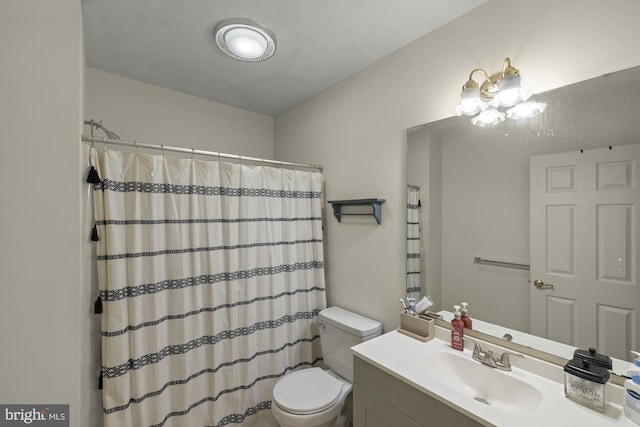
point(414, 243)
point(211, 275)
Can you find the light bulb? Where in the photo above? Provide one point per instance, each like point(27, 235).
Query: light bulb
point(245, 43)
point(509, 97)
point(470, 102)
point(526, 110)
point(245, 40)
point(489, 117)
point(510, 92)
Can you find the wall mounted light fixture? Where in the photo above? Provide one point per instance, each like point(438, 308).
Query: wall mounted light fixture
point(498, 96)
point(245, 40)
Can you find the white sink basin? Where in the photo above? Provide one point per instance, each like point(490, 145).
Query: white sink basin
point(534, 388)
point(484, 384)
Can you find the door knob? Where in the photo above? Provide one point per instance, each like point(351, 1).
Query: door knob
point(541, 285)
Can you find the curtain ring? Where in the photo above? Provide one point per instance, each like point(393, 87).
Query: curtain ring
point(135, 145)
point(192, 152)
point(162, 148)
point(104, 141)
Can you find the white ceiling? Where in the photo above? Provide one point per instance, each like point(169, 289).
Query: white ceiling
point(170, 43)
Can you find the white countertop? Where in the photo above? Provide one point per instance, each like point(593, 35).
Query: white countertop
point(400, 356)
point(548, 346)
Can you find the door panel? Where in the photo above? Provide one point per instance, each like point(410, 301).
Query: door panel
point(584, 247)
point(615, 242)
point(560, 247)
point(561, 319)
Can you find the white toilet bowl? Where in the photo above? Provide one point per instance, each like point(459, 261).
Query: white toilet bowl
point(311, 398)
point(317, 398)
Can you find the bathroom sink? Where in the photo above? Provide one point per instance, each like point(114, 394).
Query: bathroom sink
point(490, 386)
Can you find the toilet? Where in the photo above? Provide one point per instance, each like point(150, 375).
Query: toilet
point(315, 397)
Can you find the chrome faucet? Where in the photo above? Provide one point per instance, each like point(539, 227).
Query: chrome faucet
point(486, 357)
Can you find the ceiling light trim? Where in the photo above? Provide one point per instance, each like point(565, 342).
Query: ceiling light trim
point(226, 27)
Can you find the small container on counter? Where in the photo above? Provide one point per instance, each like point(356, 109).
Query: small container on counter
point(585, 383)
point(418, 327)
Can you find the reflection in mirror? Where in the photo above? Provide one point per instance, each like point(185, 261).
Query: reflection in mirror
point(558, 192)
point(414, 243)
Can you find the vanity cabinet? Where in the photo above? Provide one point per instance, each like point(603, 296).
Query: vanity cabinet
point(371, 411)
point(382, 400)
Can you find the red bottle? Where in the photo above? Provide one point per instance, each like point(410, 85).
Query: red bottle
point(457, 330)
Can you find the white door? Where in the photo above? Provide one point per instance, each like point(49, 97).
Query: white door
point(585, 239)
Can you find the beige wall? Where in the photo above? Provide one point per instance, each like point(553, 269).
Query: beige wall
point(356, 129)
point(40, 116)
point(151, 114)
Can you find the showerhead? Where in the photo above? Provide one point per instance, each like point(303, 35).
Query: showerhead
point(99, 125)
point(110, 134)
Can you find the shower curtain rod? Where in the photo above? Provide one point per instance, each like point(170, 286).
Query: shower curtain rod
point(192, 151)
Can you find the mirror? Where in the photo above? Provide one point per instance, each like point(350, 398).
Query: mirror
point(474, 190)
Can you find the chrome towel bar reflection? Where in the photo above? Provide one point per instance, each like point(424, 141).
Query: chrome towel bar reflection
point(478, 260)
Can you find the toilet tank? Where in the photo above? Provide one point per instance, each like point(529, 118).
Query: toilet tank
point(339, 331)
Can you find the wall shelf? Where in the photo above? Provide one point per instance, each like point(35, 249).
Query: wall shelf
point(374, 203)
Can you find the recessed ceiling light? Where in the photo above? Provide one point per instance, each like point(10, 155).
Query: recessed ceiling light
point(245, 40)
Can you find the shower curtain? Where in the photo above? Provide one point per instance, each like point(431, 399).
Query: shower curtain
point(211, 276)
point(414, 244)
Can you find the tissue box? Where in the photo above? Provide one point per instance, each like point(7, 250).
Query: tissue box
point(417, 327)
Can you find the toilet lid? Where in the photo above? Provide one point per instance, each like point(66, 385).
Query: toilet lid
point(307, 391)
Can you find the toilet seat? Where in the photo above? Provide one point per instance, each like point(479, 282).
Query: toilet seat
point(307, 391)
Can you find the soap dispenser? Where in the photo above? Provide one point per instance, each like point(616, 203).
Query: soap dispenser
point(465, 315)
point(457, 330)
point(632, 391)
